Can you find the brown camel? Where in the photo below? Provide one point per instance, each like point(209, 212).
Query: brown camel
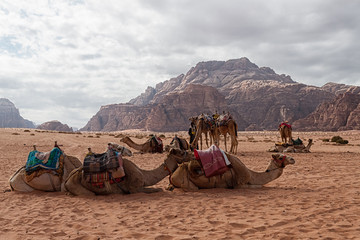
point(135, 180)
point(226, 125)
point(292, 148)
point(188, 176)
point(285, 131)
point(204, 125)
point(177, 143)
point(44, 180)
point(150, 146)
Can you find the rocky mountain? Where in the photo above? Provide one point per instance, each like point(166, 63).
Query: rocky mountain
point(55, 126)
point(342, 113)
point(257, 97)
point(10, 116)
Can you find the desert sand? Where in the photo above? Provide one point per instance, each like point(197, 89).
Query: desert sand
point(316, 198)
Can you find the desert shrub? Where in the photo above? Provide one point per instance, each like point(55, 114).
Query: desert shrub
point(15, 134)
point(26, 130)
point(326, 140)
point(339, 140)
point(162, 136)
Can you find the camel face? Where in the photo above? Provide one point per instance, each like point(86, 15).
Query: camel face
point(181, 155)
point(282, 160)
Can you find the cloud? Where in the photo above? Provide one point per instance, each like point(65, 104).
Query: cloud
point(63, 59)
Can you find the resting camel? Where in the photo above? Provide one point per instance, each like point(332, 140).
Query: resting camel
point(204, 126)
point(228, 127)
point(135, 180)
point(188, 177)
point(150, 146)
point(285, 131)
point(177, 143)
point(45, 180)
point(292, 148)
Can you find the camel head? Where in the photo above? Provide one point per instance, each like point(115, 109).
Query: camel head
point(121, 149)
point(280, 161)
point(181, 155)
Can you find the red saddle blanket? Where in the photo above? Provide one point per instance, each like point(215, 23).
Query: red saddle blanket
point(212, 161)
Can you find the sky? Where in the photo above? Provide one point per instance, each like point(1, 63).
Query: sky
point(63, 60)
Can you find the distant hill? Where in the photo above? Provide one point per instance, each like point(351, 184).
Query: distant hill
point(55, 126)
point(10, 116)
point(257, 97)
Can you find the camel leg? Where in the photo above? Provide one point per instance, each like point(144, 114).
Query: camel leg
point(206, 139)
point(73, 184)
point(225, 142)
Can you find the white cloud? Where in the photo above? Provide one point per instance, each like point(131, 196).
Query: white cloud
point(64, 59)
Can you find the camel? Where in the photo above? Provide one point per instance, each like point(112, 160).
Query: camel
point(225, 127)
point(44, 180)
point(135, 180)
point(189, 177)
point(204, 126)
point(292, 148)
point(285, 131)
point(150, 146)
point(178, 143)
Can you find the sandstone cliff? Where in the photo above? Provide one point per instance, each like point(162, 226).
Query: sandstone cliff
point(10, 116)
point(342, 113)
point(257, 97)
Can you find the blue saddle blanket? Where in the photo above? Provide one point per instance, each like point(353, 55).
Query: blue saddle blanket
point(45, 160)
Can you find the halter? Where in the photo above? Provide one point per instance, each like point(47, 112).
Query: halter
point(280, 161)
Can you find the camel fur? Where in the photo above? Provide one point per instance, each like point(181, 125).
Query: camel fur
point(230, 127)
point(177, 143)
point(204, 127)
point(285, 133)
point(188, 177)
point(135, 180)
point(148, 147)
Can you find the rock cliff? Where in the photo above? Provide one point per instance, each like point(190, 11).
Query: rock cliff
point(257, 97)
point(10, 116)
point(342, 113)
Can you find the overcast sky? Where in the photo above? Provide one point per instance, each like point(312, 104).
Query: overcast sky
point(63, 60)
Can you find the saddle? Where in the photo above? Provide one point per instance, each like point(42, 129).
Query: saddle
point(44, 160)
point(107, 166)
point(213, 161)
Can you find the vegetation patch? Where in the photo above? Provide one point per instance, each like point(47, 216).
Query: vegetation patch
point(339, 140)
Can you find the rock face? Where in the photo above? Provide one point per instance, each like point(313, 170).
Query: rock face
point(10, 116)
point(343, 113)
point(257, 98)
point(55, 126)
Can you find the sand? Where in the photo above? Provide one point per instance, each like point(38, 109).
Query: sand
point(317, 198)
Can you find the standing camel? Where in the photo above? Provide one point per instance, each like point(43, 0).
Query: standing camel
point(204, 125)
point(226, 125)
point(285, 131)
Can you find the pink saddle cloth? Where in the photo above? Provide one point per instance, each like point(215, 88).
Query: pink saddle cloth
point(212, 161)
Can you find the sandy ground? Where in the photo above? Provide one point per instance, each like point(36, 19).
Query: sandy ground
point(317, 198)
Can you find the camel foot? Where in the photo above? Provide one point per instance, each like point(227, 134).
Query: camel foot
point(170, 187)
